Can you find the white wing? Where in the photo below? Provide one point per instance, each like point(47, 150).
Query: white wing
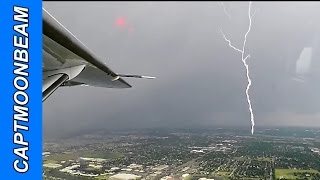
point(68, 62)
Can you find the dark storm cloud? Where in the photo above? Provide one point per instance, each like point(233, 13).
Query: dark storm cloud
point(200, 80)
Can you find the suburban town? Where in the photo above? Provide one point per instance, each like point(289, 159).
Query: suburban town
point(186, 154)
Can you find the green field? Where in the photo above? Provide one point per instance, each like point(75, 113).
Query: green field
point(289, 173)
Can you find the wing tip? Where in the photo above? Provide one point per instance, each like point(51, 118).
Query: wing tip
point(127, 85)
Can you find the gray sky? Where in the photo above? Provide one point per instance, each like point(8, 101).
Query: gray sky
point(200, 81)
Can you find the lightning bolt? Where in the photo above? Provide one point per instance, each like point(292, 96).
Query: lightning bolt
point(225, 10)
point(244, 61)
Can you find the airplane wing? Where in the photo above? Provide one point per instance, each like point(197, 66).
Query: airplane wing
point(68, 62)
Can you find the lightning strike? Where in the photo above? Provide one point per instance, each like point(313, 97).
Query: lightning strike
point(225, 10)
point(244, 61)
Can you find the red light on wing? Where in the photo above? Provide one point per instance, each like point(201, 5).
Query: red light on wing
point(121, 22)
